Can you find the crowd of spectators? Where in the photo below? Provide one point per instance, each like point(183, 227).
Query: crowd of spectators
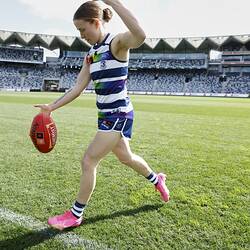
point(72, 62)
point(204, 83)
point(168, 63)
point(9, 77)
point(139, 81)
point(68, 78)
point(140, 62)
point(18, 54)
point(187, 82)
point(238, 84)
point(148, 73)
point(29, 77)
point(169, 82)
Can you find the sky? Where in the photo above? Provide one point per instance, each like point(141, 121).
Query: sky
point(159, 18)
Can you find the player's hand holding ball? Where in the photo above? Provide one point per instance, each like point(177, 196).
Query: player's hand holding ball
point(46, 108)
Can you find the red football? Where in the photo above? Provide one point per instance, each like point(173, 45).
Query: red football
point(43, 132)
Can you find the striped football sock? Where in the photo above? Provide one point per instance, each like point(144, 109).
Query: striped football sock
point(153, 177)
point(77, 209)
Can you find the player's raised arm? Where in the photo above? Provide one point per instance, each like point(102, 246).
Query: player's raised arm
point(135, 35)
point(82, 82)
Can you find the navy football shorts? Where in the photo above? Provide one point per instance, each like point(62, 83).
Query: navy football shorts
point(122, 125)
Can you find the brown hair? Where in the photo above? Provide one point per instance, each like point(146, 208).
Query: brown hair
point(90, 10)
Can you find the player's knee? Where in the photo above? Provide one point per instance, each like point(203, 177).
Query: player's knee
point(88, 163)
point(126, 159)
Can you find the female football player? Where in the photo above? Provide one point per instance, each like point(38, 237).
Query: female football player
point(107, 66)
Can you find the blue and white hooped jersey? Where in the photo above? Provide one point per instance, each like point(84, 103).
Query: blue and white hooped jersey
point(109, 76)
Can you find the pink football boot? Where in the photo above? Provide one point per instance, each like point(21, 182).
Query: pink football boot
point(162, 188)
point(65, 220)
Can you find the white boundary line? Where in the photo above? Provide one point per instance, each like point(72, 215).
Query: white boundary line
point(69, 239)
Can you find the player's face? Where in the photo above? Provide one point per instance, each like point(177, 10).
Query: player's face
point(88, 30)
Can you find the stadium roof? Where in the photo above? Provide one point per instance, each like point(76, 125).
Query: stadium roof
point(174, 45)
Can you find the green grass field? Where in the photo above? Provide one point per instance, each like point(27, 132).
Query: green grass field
point(203, 144)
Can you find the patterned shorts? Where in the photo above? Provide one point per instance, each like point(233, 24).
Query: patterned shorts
point(122, 125)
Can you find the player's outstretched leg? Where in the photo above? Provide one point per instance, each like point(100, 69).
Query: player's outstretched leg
point(124, 154)
point(102, 144)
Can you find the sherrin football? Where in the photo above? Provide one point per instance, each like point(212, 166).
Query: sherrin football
point(43, 132)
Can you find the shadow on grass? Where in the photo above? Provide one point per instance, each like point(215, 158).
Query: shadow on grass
point(30, 239)
point(129, 212)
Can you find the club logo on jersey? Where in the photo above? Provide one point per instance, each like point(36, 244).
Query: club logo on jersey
point(103, 65)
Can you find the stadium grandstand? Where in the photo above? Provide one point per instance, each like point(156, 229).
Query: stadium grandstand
point(167, 66)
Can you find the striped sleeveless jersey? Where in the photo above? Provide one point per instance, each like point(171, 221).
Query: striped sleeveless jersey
point(109, 76)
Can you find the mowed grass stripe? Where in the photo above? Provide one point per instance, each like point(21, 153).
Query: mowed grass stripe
point(68, 239)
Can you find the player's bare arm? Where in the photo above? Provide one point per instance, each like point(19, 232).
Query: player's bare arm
point(82, 82)
point(135, 35)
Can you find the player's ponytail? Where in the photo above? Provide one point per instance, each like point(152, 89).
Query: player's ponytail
point(107, 15)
